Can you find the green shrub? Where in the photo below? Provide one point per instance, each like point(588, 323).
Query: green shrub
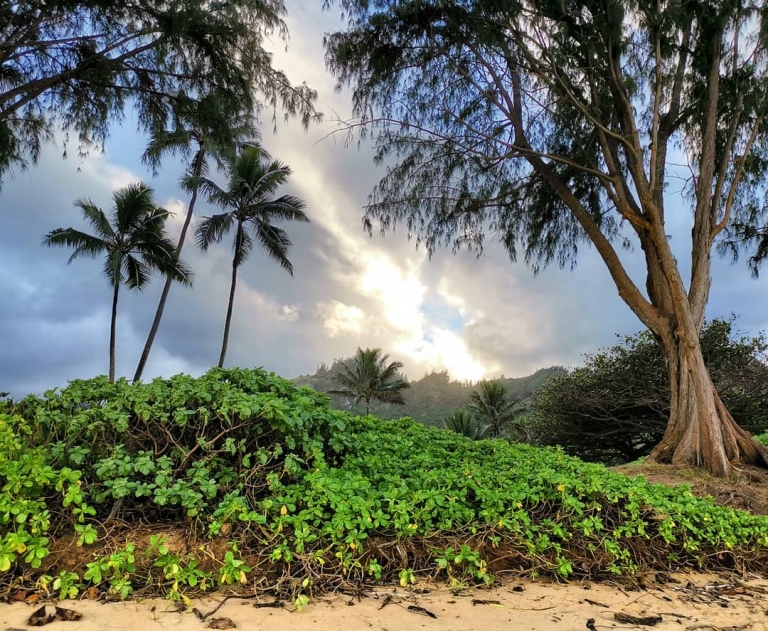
point(176, 448)
point(405, 480)
point(32, 495)
point(615, 408)
point(313, 498)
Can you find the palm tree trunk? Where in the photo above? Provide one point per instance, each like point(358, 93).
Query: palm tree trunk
point(113, 333)
point(198, 161)
point(235, 257)
point(367, 406)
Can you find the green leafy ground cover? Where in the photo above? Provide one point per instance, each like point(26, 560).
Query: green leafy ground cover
point(270, 484)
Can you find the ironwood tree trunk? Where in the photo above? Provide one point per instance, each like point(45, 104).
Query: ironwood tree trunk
point(701, 431)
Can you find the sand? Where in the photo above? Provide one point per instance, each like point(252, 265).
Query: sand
point(523, 605)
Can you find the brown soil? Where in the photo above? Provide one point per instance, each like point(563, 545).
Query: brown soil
point(749, 491)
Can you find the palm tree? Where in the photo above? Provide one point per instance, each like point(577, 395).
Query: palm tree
point(211, 127)
point(368, 376)
point(134, 242)
point(491, 405)
point(463, 422)
point(252, 179)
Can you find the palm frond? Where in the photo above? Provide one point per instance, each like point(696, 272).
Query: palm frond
point(368, 376)
point(112, 269)
point(243, 249)
point(264, 178)
point(131, 206)
point(160, 254)
point(285, 208)
point(463, 422)
point(96, 218)
point(136, 272)
point(166, 142)
point(275, 243)
point(85, 244)
point(491, 405)
point(191, 181)
point(212, 229)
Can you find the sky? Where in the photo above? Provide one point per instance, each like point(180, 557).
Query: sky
point(474, 317)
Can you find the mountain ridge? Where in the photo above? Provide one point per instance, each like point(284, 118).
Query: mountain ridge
point(430, 399)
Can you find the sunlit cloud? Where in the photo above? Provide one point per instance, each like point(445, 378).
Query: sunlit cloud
point(340, 319)
point(257, 306)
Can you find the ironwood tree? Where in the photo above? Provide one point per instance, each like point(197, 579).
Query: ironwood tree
point(80, 63)
point(558, 121)
point(615, 407)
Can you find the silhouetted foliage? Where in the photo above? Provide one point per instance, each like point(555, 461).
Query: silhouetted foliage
point(429, 400)
point(463, 422)
point(81, 63)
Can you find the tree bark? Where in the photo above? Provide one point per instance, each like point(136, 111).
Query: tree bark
point(367, 406)
point(701, 432)
point(225, 342)
point(168, 281)
point(113, 334)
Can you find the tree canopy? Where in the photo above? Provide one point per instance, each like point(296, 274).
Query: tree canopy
point(80, 63)
point(253, 211)
point(556, 122)
point(491, 405)
point(368, 377)
point(133, 241)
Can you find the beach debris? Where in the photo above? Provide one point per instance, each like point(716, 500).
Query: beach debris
point(675, 615)
point(67, 615)
point(421, 610)
point(476, 601)
point(644, 620)
point(595, 603)
point(42, 616)
point(591, 624)
point(722, 594)
point(275, 603)
point(47, 614)
point(221, 623)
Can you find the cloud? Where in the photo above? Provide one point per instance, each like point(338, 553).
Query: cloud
point(340, 319)
point(473, 317)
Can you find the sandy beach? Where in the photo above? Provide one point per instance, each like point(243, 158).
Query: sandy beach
point(697, 602)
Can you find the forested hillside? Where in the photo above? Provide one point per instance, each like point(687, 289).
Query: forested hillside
point(430, 399)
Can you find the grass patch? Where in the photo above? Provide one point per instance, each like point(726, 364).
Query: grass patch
point(276, 485)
